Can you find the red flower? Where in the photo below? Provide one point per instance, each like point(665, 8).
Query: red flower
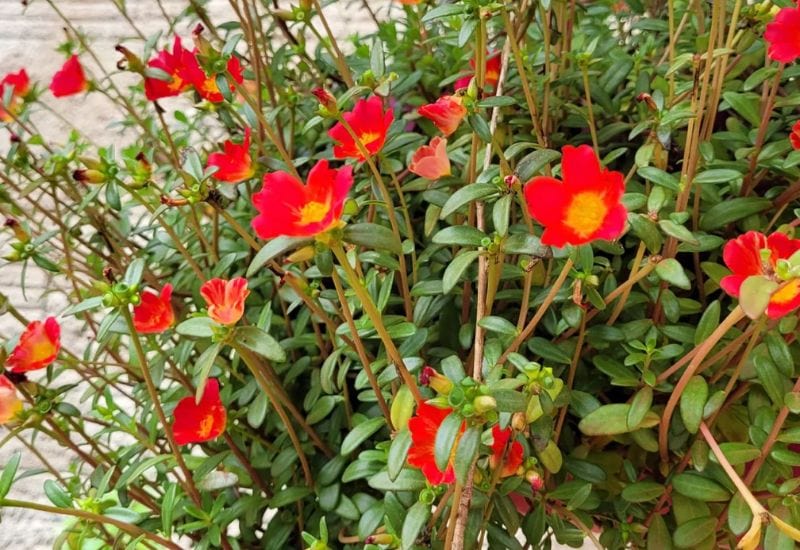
point(154, 313)
point(19, 84)
point(510, 459)
point(446, 113)
point(491, 74)
point(38, 346)
point(287, 207)
point(70, 80)
point(423, 427)
point(225, 299)
point(206, 85)
point(198, 422)
point(10, 404)
point(584, 207)
point(794, 137)
point(174, 64)
point(743, 257)
point(235, 164)
point(431, 161)
point(369, 123)
point(782, 35)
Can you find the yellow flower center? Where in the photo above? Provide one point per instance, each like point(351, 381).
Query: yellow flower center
point(586, 213)
point(176, 83)
point(210, 86)
point(787, 293)
point(204, 429)
point(313, 212)
point(368, 137)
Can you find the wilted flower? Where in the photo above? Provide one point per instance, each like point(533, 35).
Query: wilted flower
point(446, 113)
point(431, 161)
point(37, 348)
point(287, 207)
point(743, 256)
point(369, 123)
point(154, 313)
point(781, 34)
point(423, 427)
point(196, 422)
point(69, 80)
point(225, 299)
point(584, 207)
point(235, 164)
point(510, 459)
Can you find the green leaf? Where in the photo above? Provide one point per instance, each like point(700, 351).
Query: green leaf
point(497, 101)
point(645, 228)
point(134, 272)
point(464, 235)
point(509, 400)
point(532, 163)
point(124, 514)
point(398, 453)
point(693, 401)
point(746, 105)
point(360, 433)
point(700, 488)
point(659, 177)
point(693, 532)
point(678, 231)
point(197, 327)
point(87, 304)
point(7, 477)
point(640, 405)
point(732, 210)
point(466, 195)
point(738, 453)
point(133, 472)
point(658, 536)
point(443, 11)
point(524, 243)
point(754, 295)
point(501, 325)
point(708, 322)
point(718, 175)
point(642, 491)
point(446, 437)
point(289, 495)
point(480, 127)
point(408, 480)
point(255, 339)
point(372, 235)
point(613, 419)
point(203, 367)
point(456, 268)
point(671, 271)
point(57, 494)
point(465, 453)
point(412, 526)
point(275, 247)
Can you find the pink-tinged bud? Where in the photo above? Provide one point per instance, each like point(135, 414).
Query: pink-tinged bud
point(536, 480)
point(130, 61)
point(18, 230)
point(484, 404)
point(648, 100)
point(383, 538)
point(88, 176)
point(512, 182)
point(169, 201)
point(437, 382)
point(327, 100)
point(203, 46)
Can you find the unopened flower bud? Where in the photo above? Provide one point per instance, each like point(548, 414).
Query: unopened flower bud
point(326, 100)
point(484, 404)
point(19, 231)
point(301, 255)
point(518, 422)
point(203, 46)
point(438, 382)
point(305, 5)
point(535, 479)
point(130, 61)
point(84, 175)
point(512, 182)
point(284, 15)
point(169, 201)
point(383, 538)
point(647, 99)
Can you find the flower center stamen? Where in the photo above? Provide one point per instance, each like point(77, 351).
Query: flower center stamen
point(586, 213)
point(313, 212)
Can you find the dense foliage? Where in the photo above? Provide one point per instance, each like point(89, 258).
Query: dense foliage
point(498, 273)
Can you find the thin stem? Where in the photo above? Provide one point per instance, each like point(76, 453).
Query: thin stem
point(590, 109)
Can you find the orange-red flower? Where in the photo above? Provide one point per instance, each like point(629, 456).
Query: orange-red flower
point(584, 207)
point(782, 36)
point(431, 161)
point(287, 207)
point(794, 137)
point(20, 85)
point(508, 459)
point(423, 427)
point(198, 422)
point(69, 80)
point(174, 64)
point(409, 2)
point(154, 313)
point(225, 299)
point(10, 403)
point(743, 256)
point(369, 123)
point(206, 85)
point(447, 113)
point(235, 164)
point(491, 73)
point(38, 346)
